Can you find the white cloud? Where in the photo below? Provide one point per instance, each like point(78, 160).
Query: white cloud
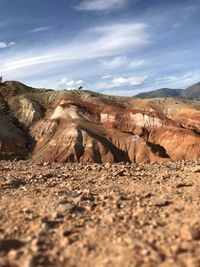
point(5, 45)
point(178, 81)
point(182, 81)
point(120, 61)
point(70, 84)
point(40, 29)
point(106, 77)
point(121, 82)
point(11, 44)
point(94, 43)
point(121, 37)
point(101, 5)
point(26, 62)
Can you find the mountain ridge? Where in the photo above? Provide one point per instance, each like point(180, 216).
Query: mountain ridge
point(191, 92)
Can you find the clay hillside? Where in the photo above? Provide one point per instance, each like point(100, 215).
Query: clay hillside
point(83, 126)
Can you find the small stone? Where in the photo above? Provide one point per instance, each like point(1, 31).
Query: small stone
point(190, 233)
point(180, 185)
point(14, 183)
point(63, 202)
point(77, 209)
point(119, 173)
point(47, 225)
point(10, 244)
point(46, 164)
point(197, 170)
point(107, 166)
point(162, 202)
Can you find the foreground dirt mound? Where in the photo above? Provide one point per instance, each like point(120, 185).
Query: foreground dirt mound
point(82, 126)
point(118, 215)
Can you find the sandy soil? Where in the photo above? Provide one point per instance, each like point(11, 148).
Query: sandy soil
point(122, 215)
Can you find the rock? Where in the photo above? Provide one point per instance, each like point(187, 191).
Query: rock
point(123, 197)
point(184, 184)
point(15, 182)
point(50, 224)
point(77, 209)
point(63, 202)
point(107, 166)
point(10, 244)
point(162, 202)
point(119, 173)
point(37, 260)
point(29, 111)
point(190, 232)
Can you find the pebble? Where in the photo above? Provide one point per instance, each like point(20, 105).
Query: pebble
point(190, 232)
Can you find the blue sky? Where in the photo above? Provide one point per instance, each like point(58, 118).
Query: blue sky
point(119, 47)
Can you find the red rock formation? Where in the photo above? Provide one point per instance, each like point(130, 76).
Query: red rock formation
point(84, 132)
point(96, 128)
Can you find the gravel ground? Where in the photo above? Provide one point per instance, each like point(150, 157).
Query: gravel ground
point(120, 215)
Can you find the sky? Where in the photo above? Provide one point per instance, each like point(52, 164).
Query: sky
point(117, 47)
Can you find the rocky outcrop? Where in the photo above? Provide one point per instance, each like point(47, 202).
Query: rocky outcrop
point(30, 111)
point(80, 132)
point(70, 142)
point(72, 135)
point(85, 127)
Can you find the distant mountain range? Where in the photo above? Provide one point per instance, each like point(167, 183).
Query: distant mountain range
point(192, 92)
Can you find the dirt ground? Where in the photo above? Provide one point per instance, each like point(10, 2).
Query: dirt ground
point(121, 215)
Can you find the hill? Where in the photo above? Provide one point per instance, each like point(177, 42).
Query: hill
point(84, 126)
point(192, 92)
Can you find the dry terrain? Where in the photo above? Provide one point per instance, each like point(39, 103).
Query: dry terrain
point(84, 126)
point(99, 215)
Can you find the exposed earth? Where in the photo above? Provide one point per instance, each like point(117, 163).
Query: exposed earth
point(90, 180)
point(99, 215)
point(84, 126)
